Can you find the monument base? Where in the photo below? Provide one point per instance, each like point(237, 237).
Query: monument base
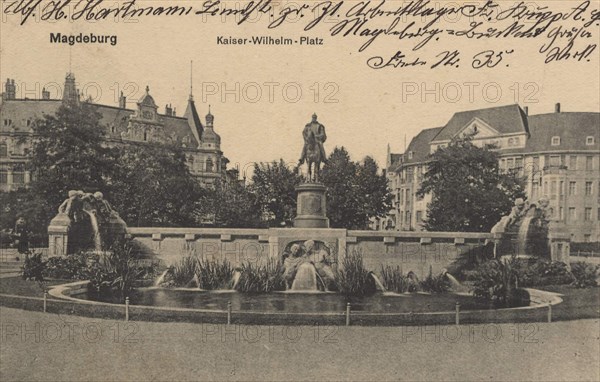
point(312, 206)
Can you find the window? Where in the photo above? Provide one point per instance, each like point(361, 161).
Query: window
point(534, 190)
point(18, 177)
point(561, 189)
point(511, 142)
point(519, 163)
point(587, 238)
point(589, 163)
point(554, 160)
point(4, 179)
point(573, 162)
point(209, 165)
point(536, 164)
point(502, 164)
point(419, 216)
point(561, 215)
point(572, 213)
point(410, 155)
point(7, 122)
point(588, 188)
point(589, 141)
point(510, 163)
point(572, 188)
point(553, 189)
point(28, 122)
point(3, 150)
point(402, 196)
point(145, 136)
point(555, 141)
point(587, 216)
point(407, 217)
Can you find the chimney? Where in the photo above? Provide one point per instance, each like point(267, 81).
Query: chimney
point(10, 89)
point(174, 112)
point(526, 110)
point(557, 107)
point(122, 101)
point(168, 110)
point(45, 94)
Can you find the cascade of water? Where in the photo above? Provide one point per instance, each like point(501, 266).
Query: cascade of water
point(194, 280)
point(95, 227)
point(522, 235)
point(306, 278)
point(161, 278)
point(380, 285)
point(235, 279)
point(455, 283)
point(321, 280)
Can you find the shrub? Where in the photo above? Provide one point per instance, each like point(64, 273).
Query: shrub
point(435, 284)
point(353, 279)
point(261, 278)
point(585, 274)
point(182, 273)
point(117, 269)
point(394, 280)
point(539, 272)
point(496, 281)
point(33, 267)
point(214, 275)
point(71, 267)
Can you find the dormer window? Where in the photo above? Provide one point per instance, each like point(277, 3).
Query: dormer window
point(410, 155)
point(511, 142)
point(589, 141)
point(555, 141)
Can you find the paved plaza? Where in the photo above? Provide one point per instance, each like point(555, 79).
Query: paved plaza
point(37, 346)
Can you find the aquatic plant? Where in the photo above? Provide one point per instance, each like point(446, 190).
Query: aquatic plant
point(435, 284)
point(393, 279)
point(214, 275)
point(261, 278)
point(352, 278)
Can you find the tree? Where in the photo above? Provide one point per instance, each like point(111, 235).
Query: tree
point(68, 154)
point(469, 192)
point(230, 204)
point(274, 186)
point(356, 192)
point(151, 186)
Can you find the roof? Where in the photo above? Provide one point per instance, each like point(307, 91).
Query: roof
point(193, 120)
point(419, 146)
point(147, 99)
point(505, 119)
point(176, 128)
point(572, 128)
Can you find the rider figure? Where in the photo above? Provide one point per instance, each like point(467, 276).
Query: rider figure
point(318, 130)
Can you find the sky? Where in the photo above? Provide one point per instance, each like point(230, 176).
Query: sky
point(253, 90)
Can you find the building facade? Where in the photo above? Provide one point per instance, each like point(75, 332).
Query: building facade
point(557, 153)
point(143, 124)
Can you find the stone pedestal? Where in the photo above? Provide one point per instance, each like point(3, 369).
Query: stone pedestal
point(560, 243)
point(312, 206)
point(58, 235)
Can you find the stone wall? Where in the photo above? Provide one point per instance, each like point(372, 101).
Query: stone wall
point(413, 251)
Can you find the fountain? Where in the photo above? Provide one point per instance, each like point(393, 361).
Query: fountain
point(84, 222)
point(378, 282)
point(524, 232)
point(308, 264)
point(306, 278)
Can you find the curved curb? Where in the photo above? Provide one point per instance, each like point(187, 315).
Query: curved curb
point(538, 298)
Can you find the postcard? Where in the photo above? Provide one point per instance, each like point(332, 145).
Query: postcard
point(266, 190)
